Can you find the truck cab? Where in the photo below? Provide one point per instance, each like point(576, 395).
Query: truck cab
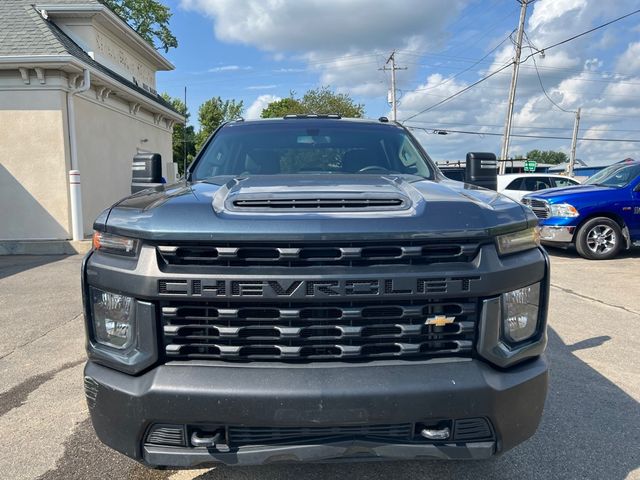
point(601, 217)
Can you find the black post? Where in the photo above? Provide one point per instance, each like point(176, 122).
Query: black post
point(184, 137)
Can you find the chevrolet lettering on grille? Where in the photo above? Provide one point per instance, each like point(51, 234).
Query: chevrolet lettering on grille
point(313, 288)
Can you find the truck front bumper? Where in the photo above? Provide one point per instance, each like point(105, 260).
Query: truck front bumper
point(555, 235)
point(123, 408)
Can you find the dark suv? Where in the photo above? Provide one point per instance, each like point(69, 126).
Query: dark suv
point(315, 290)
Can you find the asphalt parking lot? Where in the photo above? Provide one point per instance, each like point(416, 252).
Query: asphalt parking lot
point(590, 428)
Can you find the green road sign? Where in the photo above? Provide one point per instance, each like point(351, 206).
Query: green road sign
point(530, 165)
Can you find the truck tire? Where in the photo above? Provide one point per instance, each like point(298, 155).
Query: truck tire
point(599, 239)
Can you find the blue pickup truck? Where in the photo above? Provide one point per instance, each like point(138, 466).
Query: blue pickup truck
point(601, 217)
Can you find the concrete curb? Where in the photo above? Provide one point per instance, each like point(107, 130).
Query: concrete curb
point(44, 247)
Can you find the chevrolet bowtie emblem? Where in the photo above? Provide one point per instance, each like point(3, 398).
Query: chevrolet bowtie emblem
point(439, 320)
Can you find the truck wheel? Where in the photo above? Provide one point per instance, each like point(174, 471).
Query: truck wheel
point(599, 239)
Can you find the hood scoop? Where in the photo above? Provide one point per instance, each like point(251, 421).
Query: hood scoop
point(319, 195)
point(320, 202)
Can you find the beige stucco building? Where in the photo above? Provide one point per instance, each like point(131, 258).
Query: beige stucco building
point(77, 92)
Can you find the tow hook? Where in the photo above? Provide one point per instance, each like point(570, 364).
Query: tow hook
point(435, 434)
point(207, 441)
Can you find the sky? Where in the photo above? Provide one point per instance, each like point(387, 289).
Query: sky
point(259, 51)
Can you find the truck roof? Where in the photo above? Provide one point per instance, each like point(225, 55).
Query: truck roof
point(317, 119)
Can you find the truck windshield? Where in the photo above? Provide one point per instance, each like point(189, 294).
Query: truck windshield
point(615, 176)
point(310, 147)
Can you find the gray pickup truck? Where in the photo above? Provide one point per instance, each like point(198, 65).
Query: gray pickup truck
point(315, 290)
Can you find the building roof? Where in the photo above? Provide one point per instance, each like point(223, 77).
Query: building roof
point(24, 32)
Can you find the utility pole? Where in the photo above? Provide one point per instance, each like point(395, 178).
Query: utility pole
point(574, 141)
point(393, 68)
point(504, 153)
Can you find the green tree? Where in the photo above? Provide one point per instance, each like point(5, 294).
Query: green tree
point(280, 108)
point(149, 18)
point(319, 100)
point(547, 156)
point(213, 113)
point(323, 100)
point(178, 137)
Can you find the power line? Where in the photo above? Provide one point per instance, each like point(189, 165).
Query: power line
point(466, 69)
point(600, 92)
point(559, 69)
point(591, 114)
point(519, 135)
point(344, 57)
point(486, 30)
point(459, 92)
point(532, 126)
point(588, 110)
point(576, 123)
point(473, 20)
point(583, 33)
point(504, 67)
point(540, 78)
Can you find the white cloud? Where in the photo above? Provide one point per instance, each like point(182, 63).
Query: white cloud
point(352, 73)
point(326, 25)
point(597, 153)
point(555, 20)
point(552, 11)
point(261, 87)
point(629, 61)
point(289, 70)
point(593, 64)
point(339, 39)
point(259, 104)
point(228, 68)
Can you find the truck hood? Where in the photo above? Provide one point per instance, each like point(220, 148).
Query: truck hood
point(301, 207)
point(562, 194)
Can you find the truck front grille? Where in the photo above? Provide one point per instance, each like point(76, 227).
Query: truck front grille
point(302, 255)
point(239, 436)
point(338, 331)
point(462, 430)
point(539, 207)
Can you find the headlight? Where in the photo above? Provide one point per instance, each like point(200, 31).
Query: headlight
point(113, 319)
point(518, 241)
point(520, 313)
point(563, 210)
point(106, 242)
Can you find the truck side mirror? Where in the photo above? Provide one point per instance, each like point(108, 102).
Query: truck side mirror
point(482, 170)
point(146, 171)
